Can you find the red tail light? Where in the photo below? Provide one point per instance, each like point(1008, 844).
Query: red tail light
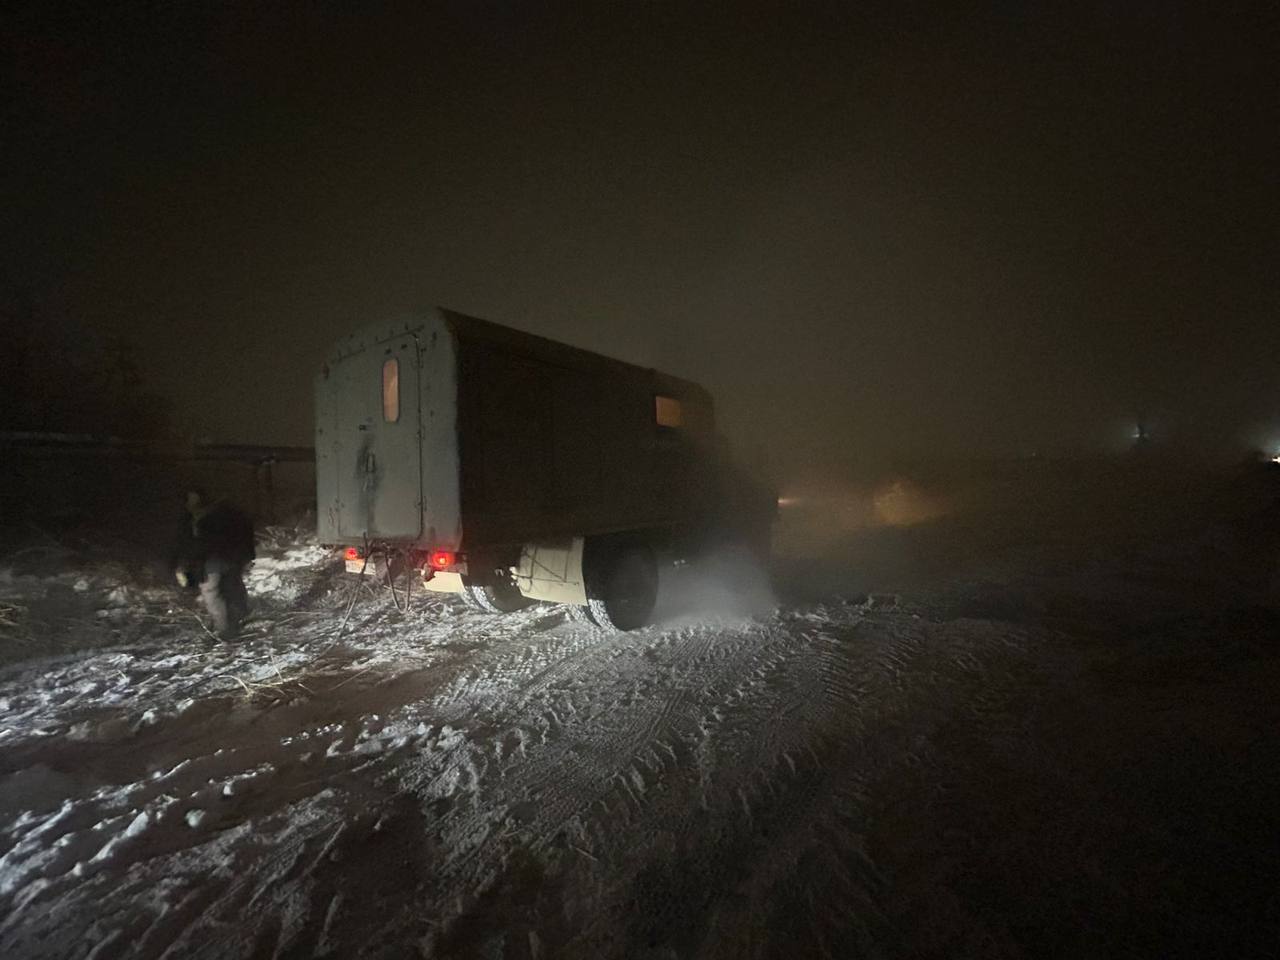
point(441, 559)
point(351, 553)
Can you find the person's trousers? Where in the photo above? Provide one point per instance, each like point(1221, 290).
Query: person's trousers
point(224, 596)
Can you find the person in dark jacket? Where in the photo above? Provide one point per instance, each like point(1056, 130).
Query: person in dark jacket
point(213, 546)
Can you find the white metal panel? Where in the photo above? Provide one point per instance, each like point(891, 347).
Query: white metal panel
point(552, 572)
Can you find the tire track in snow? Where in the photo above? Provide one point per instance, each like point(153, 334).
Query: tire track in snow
point(783, 835)
point(584, 785)
point(557, 741)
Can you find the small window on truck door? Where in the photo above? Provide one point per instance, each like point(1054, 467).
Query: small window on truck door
point(667, 412)
point(391, 390)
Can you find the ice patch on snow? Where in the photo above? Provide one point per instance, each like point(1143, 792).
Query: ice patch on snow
point(136, 826)
point(276, 576)
point(241, 781)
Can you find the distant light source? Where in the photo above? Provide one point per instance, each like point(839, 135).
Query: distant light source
point(1276, 458)
point(351, 553)
point(905, 504)
point(441, 559)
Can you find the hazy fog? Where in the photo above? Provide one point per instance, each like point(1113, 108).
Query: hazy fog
point(870, 234)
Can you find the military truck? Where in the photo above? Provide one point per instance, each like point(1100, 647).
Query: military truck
point(510, 468)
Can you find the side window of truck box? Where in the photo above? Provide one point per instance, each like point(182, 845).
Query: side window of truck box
point(667, 412)
point(391, 390)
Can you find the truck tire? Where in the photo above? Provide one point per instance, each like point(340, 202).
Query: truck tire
point(621, 595)
point(501, 597)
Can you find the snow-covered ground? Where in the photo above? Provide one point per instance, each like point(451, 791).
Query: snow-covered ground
point(1037, 749)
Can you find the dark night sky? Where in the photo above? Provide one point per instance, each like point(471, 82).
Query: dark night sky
point(867, 228)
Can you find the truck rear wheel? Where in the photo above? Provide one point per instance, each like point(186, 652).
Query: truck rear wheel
point(500, 597)
point(625, 590)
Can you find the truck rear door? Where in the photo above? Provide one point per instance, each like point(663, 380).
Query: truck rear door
point(379, 442)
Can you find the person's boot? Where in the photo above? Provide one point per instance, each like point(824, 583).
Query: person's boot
point(211, 592)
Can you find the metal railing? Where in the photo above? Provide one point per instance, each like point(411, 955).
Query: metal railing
point(73, 443)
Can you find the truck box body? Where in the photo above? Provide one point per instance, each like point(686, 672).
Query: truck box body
point(446, 432)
